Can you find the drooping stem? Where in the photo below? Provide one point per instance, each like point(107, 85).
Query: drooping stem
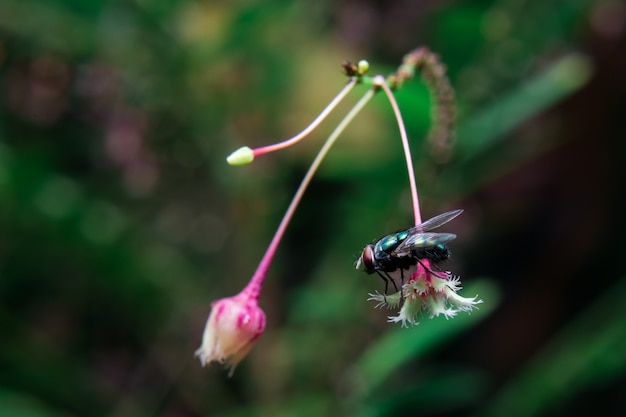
point(281, 145)
point(379, 80)
point(254, 286)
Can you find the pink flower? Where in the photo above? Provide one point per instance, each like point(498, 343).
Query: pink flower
point(427, 290)
point(234, 325)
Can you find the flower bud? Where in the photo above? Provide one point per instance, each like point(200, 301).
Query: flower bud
point(234, 325)
point(241, 156)
point(363, 66)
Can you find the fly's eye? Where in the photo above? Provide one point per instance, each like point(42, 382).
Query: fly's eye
point(369, 262)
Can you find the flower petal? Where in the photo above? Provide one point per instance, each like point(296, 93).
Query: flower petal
point(232, 328)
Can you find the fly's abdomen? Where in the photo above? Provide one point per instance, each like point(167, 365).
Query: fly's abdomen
point(436, 254)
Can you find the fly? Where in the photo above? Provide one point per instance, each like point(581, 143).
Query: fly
point(405, 248)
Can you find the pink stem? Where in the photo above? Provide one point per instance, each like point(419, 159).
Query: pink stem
point(379, 80)
point(277, 146)
point(253, 288)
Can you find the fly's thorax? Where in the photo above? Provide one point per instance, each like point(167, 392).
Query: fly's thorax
point(390, 242)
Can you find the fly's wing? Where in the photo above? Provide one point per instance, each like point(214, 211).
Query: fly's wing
point(435, 221)
point(421, 241)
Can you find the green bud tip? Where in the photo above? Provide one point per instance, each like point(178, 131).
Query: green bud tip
point(241, 156)
point(363, 66)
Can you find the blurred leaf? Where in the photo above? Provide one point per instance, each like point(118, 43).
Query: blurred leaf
point(50, 23)
point(588, 353)
point(436, 392)
point(16, 404)
point(479, 132)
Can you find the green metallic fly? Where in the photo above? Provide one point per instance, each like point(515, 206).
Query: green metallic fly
point(405, 248)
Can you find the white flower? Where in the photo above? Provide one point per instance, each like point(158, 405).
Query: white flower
point(389, 301)
point(426, 291)
point(409, 310)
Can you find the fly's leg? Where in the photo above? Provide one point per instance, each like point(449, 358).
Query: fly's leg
point(385, 277)
point(430, 270)
point(393, 281)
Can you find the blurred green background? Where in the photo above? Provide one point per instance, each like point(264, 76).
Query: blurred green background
point(120, 220)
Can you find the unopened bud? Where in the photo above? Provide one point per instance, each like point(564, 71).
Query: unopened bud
point(241, 156)
point(363, 66)
point(234, 325)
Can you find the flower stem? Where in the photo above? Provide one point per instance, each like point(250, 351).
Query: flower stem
point(286, 143)
point(380, 81)
point(254, 286)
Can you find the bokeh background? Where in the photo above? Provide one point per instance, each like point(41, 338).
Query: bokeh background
point(120, 220)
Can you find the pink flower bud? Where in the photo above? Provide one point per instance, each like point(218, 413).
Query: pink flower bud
point(233, 326)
